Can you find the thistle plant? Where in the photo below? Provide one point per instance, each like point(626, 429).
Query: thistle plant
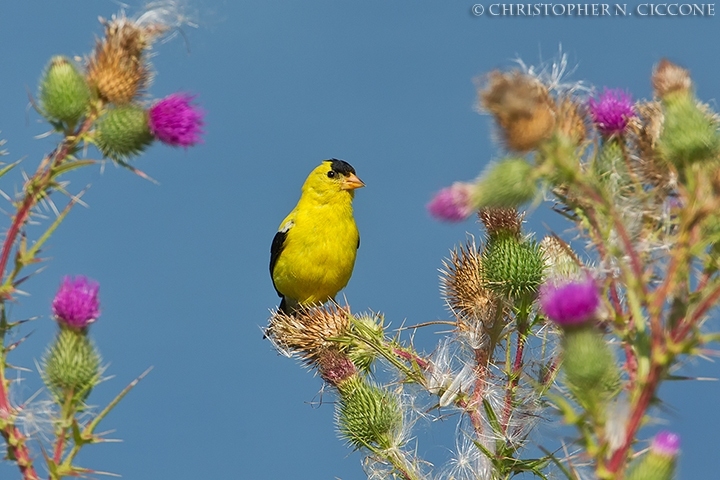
point(104, 102)
point(549, 328)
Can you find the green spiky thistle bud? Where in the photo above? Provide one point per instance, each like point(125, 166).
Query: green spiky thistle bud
point(589, 365)
point(369, 329)
point(659, 463)
point(609, 164)
point(63, 93)
point(508, 183)
point(689, 133)
point(71, 366)
point(512, 267)
point(367, 416)
point(123, 132)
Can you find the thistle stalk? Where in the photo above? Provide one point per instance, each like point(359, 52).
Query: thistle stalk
point(80, 104)
point(514, 375)
point(36, 188)
point(618, 460)
point(17, 449)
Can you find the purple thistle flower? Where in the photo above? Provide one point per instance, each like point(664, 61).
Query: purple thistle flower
point(76, 304)
point(666, 443)
point(175, 121)
point(611, 111)
point(571, 303)
point(452, 204)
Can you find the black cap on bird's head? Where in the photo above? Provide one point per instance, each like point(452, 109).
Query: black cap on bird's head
point(345, 171)
point(341, 166)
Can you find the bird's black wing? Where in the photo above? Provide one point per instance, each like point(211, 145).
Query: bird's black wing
point(276, 249)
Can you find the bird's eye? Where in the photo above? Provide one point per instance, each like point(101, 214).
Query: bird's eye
point(331, 174)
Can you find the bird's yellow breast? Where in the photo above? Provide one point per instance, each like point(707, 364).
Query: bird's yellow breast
point(318, 256)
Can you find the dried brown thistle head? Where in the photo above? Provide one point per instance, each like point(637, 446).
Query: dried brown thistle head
point(461, 284)
point(307, 332)
point(501, 220)
point(670, 78)
point(570, 120)
point(522, 107)
point(118, 69)
point(643, 134)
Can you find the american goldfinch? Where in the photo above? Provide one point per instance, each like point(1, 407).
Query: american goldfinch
point(313, 253)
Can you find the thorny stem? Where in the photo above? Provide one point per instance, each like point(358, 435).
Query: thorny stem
point(410, 357)
point(549, 374)
point(19, 220)
point(708, 302)
point(391, 355)
point(661, 293)
point(704, 279)
point(402, 468)
point(617, 461)
point(679, 258)
point(397, 461)
point(473, 413)
point(683, 327)
point(602, 251)
point(651, 382)
point(523, 327)
point(481, 372)
point(635, 262)
point(35, 188)
point(59, 447)
point(515, 375)
point(16, 448)
point(62, 428)
point(615, 299)
point(631, 364)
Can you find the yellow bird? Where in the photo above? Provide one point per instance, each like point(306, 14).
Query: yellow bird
point(313, 253)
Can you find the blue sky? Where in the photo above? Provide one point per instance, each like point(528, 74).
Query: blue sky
point(385, 85)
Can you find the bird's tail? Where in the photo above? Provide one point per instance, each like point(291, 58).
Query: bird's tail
point(283, 307)
point(288, 307)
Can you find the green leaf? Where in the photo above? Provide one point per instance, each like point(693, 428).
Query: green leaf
point(8, 167)
point(550, 456)
point(566, 409)
point(504, 463)
point(51, 465)
point(491, 417)
point(77, 435)
point(69, 166)
point(90, 427)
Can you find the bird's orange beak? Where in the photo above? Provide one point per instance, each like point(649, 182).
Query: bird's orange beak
point(351, 182)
